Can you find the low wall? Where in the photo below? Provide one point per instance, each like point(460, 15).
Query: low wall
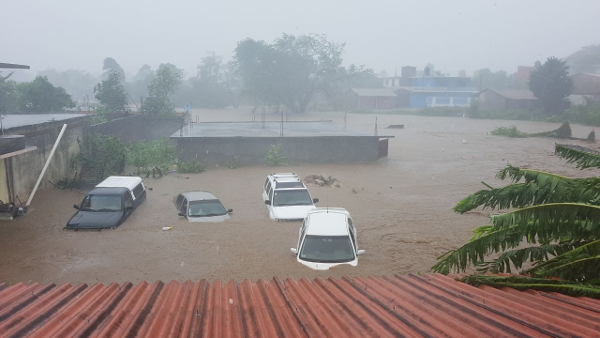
point(252, 150)
point(135, 128)
point(23, 170)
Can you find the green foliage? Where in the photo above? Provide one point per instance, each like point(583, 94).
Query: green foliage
point(40, 96)
point(211, 86)
point(152, 156)
point(100, 116)
point(193, 167)
point(234, 163)
point(551, 83)
point(274, 156)
point(111, 92)
point(542, 284)
point(586, 114)
point(583, 157)
point(511, 131)
point(8, 95)
point(485, 78)
point(558, 217)
point(110, 65)
point(564, 131)
point(290, 70)
point(164, 85)
point(106, 153)
point(515, 114)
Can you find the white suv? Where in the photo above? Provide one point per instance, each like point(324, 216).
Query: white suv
point(286, 197)
point(327, 238)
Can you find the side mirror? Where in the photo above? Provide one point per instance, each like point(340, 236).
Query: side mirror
point(181, 214)
point(229, 210)
point(315, 200)
point(268, 202)
point(76, 206)
point(360, 252)
point(294, 251)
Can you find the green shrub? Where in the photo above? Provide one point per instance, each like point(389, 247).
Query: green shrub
point(588, 115)
point(192, 167)
point(234, 163)
point(152, 156)
point(511, 131)
point(274, 156)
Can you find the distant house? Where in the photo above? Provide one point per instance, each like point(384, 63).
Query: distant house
point(370, 98)
point(435, 91)
point(523, 73)
point(586, 84)
point(507, 99)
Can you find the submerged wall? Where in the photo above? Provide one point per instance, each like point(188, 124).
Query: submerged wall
point(135, 128)
point(252, 150)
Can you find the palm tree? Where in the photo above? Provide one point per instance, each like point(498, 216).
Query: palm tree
point(554, 224)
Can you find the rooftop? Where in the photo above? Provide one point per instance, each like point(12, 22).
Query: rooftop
point(514, 94)
point(199, 195)
point(129, 182)
point(379, 92)
point(21, 120)
point(270, 129)
point(392, 306)
point(330, 222)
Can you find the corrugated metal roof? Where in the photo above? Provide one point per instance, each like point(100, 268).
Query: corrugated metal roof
point(379, 92)
point(514, 94)
point(398, 306)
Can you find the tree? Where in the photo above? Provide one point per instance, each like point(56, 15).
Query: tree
point(77, 83)
point(111, 93)
point(110, 65)
point(290, 70)
point(164, 85)
point(351, 77)
point(485, 78)
point(551, 83)
point(211, 86)
point(8, 95)
point(40, 96)
point(556, 216)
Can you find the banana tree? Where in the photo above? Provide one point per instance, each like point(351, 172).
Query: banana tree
point(552, 228)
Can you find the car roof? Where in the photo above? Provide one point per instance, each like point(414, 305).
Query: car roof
point(327, 222)
point(129, 182)
point(108, 191)
point(199, 195)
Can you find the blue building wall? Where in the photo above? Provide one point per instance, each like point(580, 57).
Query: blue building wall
point(429, 99)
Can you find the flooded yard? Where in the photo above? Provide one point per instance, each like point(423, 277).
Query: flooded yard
point(401, 205)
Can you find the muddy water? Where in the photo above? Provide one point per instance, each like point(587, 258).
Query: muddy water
point(402, 207)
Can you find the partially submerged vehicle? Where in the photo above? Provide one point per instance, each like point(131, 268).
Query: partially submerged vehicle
point(201, 206)
point(326, 239)
point(286, 197)
point(109, 204)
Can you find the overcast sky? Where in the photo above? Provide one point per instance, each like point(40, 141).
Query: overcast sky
point(383, 35)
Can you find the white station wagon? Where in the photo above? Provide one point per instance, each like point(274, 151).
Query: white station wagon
point(286, 197)
point(327, 238)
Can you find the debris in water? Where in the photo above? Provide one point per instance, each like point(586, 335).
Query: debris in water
point(167, 228)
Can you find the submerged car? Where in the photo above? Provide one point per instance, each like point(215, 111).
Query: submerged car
point(201, 206)
point(109, 204)
point(327, 238)
point(286, 197)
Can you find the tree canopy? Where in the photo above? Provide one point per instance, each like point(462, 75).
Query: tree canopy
point(557, 217)
point(288, 71)
point(8, 90)
point(40, 96)
point(551, 83)
point(111, 92)
point(160, 89)
point(110, 65)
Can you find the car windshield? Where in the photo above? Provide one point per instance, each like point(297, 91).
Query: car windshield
point(101, 203)
point(291, 197)
point(206, 208)
point(327, 249)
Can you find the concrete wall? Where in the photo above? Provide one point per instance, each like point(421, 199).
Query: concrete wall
point(491, 100)
point(137, 128)
point(585, 84)
point(252, 150)
point(23, 170)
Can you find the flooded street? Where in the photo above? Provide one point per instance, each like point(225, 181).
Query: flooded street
point(401, 205)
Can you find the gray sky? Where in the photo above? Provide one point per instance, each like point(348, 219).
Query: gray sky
point(451, 34)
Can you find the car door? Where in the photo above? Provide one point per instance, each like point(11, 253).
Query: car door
point(128, 205)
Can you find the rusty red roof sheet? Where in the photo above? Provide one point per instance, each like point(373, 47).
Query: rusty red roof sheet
point(398, 306)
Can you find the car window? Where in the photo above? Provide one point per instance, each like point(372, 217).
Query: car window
point(270, 194)
point(183, 207)
point(101, 203)
point(179, 200)
point(138, 190)
point(327, 249)
point(266, 183)
point(128, 200)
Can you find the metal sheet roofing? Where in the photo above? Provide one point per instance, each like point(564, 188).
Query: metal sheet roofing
point(514, 94)
point(399, 306)
point(379, 92)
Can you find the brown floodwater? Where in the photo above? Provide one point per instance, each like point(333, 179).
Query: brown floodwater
point(401, 205)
